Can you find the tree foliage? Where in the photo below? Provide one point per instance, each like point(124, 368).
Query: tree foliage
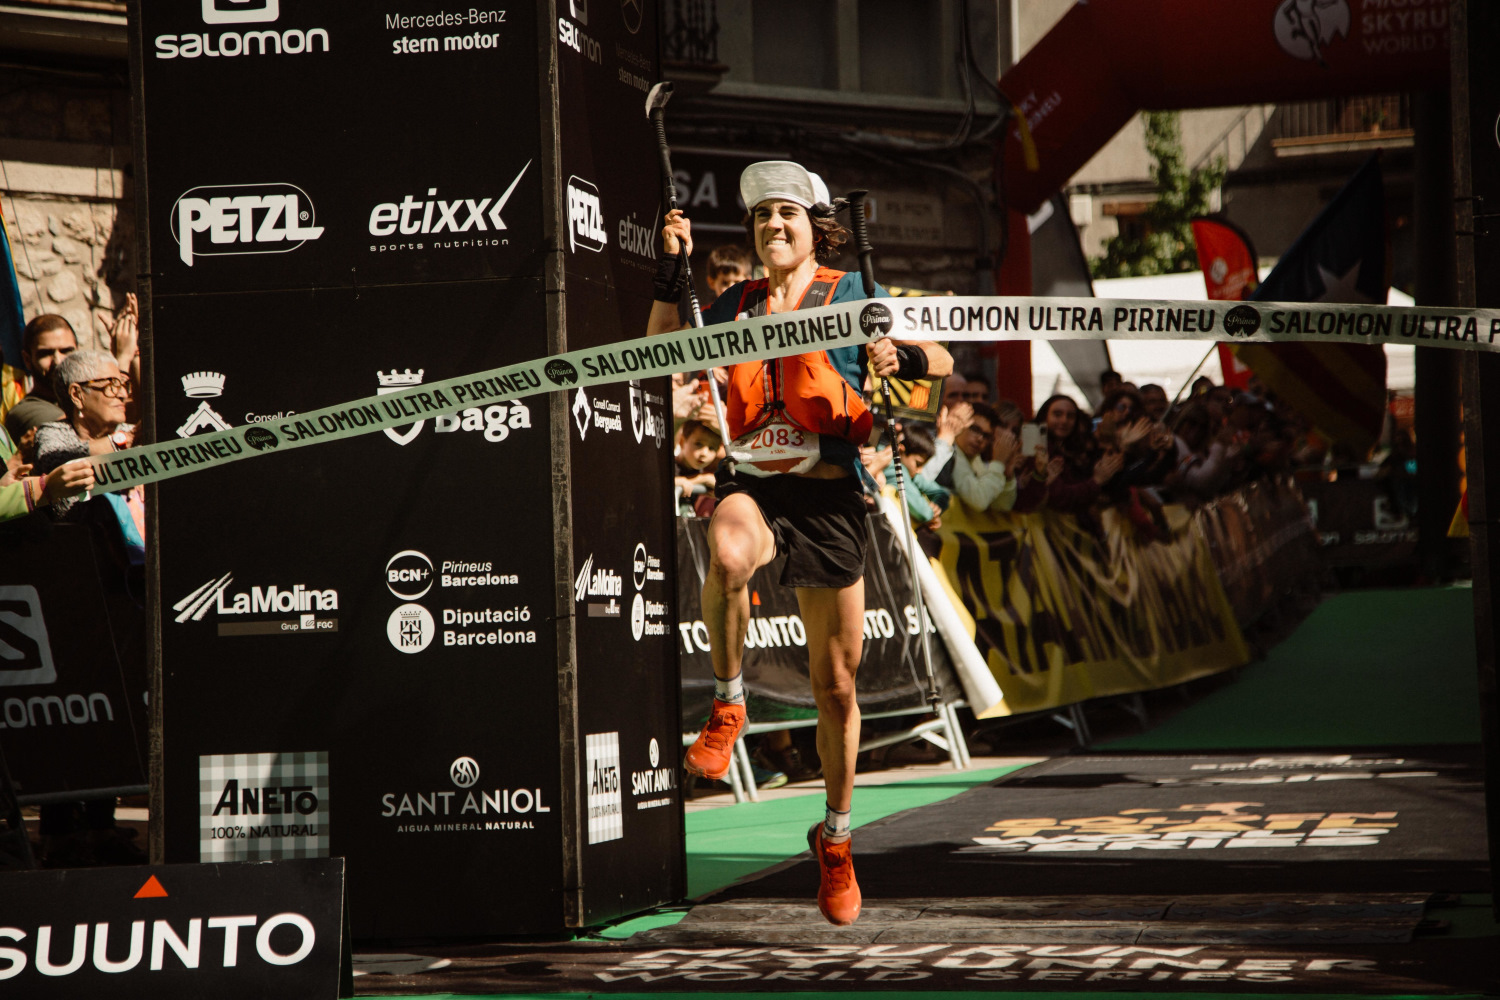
point(1181, 194)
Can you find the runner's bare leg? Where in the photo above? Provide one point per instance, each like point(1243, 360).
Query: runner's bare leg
point(835, 623)
point(739, 543)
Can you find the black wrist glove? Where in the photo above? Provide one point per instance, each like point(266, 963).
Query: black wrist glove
point(913, 363)
point(671, 278)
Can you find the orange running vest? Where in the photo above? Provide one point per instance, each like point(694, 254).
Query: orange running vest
point(805, 390)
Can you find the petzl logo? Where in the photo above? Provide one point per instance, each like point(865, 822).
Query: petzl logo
point(1303, 27)
point(875, 320)
point(585, 216)
point(243, 218)
point(1241, 321)
point(25, 654)
point(560, 372)
point(260, 439)
point(240, 11)
point(464, 772)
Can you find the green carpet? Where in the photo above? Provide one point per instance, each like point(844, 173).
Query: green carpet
point(898, 995)
point(1367, 668)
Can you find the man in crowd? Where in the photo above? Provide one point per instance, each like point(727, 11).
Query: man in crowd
point(1109, 381)
point(794, 491)
point(976, 388)
point(1154, 398)
point(48, 339)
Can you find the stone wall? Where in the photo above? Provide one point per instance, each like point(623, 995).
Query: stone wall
point(66, 194)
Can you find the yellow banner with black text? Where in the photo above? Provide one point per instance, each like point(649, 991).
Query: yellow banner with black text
point(1062, 613)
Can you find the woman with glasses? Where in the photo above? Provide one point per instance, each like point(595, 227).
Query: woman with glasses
point(93, 393)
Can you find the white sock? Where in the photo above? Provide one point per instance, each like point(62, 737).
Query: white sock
point(732, 691)
point(835, 825)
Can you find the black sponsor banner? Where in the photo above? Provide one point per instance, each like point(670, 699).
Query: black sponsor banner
point(1361, 522)
point(67, 721)
point(358, 656)
point(339, 143)
point(620, 446)
point(223, 931)
point(891, 676)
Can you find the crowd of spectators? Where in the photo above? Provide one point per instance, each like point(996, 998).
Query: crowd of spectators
point(61, 402)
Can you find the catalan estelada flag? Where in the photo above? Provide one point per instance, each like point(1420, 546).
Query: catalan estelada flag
point(1340, 257)
point(12, 323)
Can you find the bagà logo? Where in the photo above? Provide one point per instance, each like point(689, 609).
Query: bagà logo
point(395, 382)
point(464, 772)
point(1303, 27)
point(229, 44)
point(561, 372)
point(243, 218)
point(203, 385)
point(435, 215)
point(644, 421)
point(25, 653)
point(408, 574)
point(585, 216)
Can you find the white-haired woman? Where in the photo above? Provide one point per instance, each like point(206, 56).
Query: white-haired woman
point(93, 393)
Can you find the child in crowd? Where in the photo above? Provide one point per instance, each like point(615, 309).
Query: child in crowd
point(925, 499)
point(727, 265)
point(698, 453)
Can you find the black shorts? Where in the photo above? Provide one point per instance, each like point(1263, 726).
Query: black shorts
point(818, 524)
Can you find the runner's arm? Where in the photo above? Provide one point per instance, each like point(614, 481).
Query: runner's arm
point(884, 360)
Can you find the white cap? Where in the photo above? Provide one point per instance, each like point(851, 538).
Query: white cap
point(782, 179)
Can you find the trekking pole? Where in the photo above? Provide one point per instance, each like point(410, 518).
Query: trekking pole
point(866, 254)
point(656, 103)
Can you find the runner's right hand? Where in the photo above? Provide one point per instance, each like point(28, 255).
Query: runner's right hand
point(677, 229)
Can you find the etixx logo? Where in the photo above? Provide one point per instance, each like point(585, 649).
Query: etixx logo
point(1304, 27)
point(242, 219)
point(1241, 321)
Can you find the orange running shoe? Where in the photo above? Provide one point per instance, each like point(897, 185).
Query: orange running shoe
point(838, 894)
point(711, 753)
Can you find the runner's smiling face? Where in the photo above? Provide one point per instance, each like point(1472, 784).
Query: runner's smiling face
point(783, 234)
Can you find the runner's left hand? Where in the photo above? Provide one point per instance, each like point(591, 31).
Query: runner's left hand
point(883, 360)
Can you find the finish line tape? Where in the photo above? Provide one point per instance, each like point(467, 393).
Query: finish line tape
point(948, 318)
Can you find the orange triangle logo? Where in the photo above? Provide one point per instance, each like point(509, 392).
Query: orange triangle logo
point(755, 598)
point(151, 890)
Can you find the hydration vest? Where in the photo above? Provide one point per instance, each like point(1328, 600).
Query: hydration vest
point(805, 390)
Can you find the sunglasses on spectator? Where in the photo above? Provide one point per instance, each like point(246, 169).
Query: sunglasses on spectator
point(47, 352)
point(117, 386)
